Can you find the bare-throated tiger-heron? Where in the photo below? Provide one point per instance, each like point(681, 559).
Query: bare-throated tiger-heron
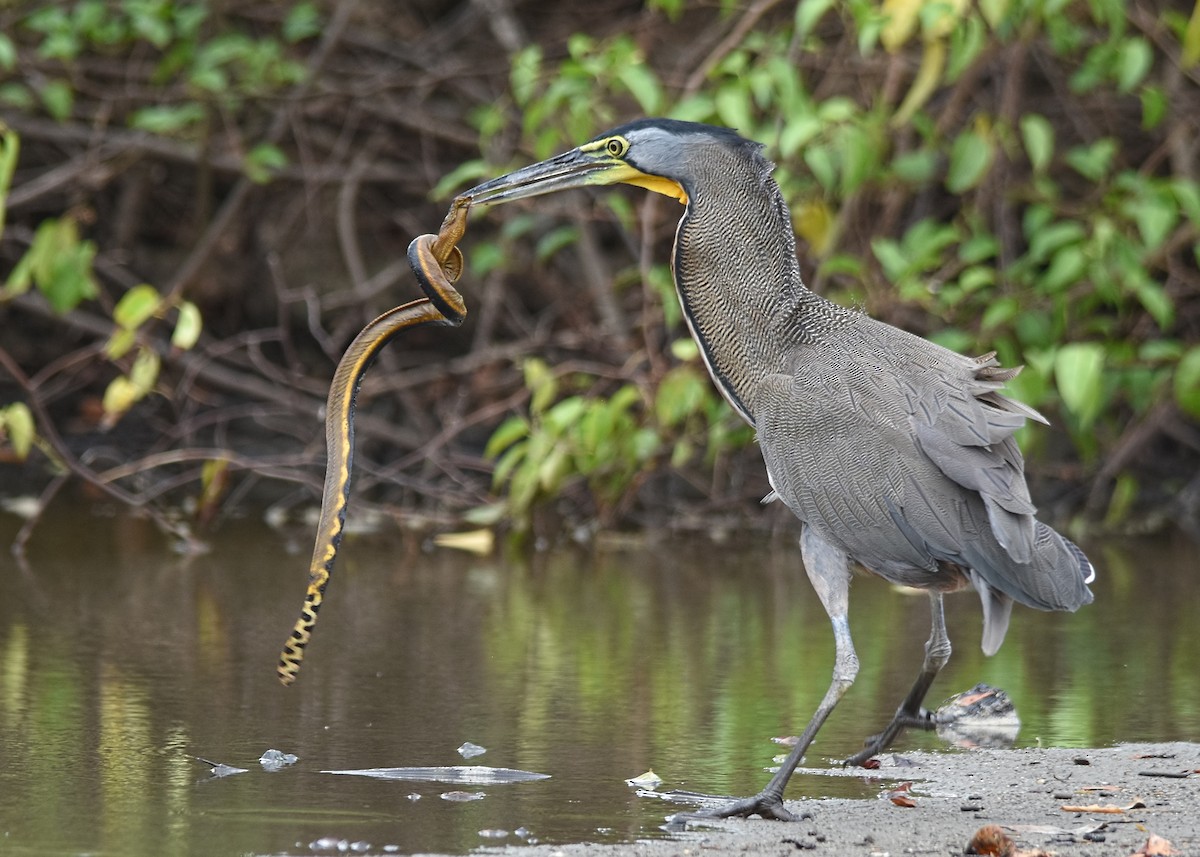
point(897, 455)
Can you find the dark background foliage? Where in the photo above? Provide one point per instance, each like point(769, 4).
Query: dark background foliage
point(209, 200)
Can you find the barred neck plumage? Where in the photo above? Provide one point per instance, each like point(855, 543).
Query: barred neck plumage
point(744, 298)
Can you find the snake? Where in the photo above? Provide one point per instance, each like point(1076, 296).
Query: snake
point(437, 264)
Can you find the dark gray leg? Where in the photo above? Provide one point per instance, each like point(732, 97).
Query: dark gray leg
point(829, 571)
point(910, 713)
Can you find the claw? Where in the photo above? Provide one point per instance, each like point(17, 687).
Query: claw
point(765, 806)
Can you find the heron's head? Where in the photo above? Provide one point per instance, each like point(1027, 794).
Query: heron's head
point(657, 154)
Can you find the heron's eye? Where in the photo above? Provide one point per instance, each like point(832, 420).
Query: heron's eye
point(616, 146)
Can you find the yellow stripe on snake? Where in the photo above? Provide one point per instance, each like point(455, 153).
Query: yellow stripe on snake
point(437, 264)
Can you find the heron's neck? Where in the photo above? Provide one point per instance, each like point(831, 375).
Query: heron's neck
point(739, 282)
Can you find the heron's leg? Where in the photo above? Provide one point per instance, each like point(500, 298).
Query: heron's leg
point(829, 571)
point(910, 713)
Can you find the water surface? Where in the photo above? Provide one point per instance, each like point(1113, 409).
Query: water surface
point(121, 662)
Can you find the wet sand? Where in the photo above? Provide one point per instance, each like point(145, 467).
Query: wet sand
point(1156, 787)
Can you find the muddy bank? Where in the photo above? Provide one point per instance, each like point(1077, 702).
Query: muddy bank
point(1046, 800)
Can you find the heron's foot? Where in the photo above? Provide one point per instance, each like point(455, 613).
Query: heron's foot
point(764, 805)
point(923, 719)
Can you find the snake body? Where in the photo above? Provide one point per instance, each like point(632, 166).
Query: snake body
point(437, 264)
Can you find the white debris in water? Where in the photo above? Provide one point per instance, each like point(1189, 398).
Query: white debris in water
point(24, 507)
point(275, 760)
point(522, 832)
point(470, 751)
point(325, 843)
point(219, 769)
point(391, 849)
point(414, 797)
point(494, 833)
point(360, 846)
point(648, 780)
point(463, 796)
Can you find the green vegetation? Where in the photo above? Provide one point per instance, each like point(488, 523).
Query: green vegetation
point(1010, 175)
point(1067, 242)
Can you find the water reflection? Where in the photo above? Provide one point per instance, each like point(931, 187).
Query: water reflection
point(120, 663)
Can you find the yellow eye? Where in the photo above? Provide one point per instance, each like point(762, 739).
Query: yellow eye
point(616, 146)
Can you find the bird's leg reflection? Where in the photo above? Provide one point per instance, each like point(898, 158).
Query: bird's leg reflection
point(910, 714)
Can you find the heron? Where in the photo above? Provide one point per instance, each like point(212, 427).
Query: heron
point(897, 455)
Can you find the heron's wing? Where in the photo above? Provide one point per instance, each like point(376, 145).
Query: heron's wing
point(966, 427)
point(903, 453)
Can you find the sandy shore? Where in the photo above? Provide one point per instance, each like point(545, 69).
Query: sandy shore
point(1047, 801)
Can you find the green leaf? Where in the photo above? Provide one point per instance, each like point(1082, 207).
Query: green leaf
point(119, 397)
point(1155, 215)
point(525, 72)
point(509, 460)
point(1156, 301)
point(970, 158)
point(1187, 382)
point(468, 171)
point(1154, 107)
point(642, 85)
point(672, 8)
point(1079, 376)
point(1054, 236)
point(1093, 162)
point(187, 326)
point(891, 258)
point(540, 382)
point(8, 53)
point(808, 13)
point(564, 414)
point(510, 431)
point(1134, 59)
point(733, 108)
point(263, 160)
point(1124, 495)
point(1187, 193)
point(168, 119)
point(16, 421)
point(302, 22)
point(1038, 136)
point(144, 373)
point(685, 349)
point(61, 264)
point(1066, 268)
point(998, 313)
point(10, 149)
point(136, 305)
point(1190, 55)
point(820, 161)
point(555, 240)
point(58, 98)
point(681, 393)
point(16, 95)
point(916, 167)
point(120, 342)
point(858, 156)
